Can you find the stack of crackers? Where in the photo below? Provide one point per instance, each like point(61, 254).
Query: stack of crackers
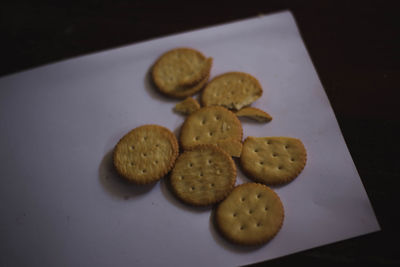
point(203, 172)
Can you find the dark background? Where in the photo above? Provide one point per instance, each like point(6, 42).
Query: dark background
point(354, 45)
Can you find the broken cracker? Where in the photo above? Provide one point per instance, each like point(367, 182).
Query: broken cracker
point(187, 106)
point(254, 113)
point(233, 90)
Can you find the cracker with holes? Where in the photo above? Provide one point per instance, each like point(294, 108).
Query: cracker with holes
point(209, 125)
point(181, 72)
point(146, 154)
point(232, 90)
point(273, 160)
point(251, 215)
point(254, 114)
point(203, 175)
point(187, 106)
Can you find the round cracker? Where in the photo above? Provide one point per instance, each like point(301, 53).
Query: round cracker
point(232, 90)
point(273, 160)
point(209, 125)
point(146, 154)
point(181, 72)
point(252, 214)
point(203, 175)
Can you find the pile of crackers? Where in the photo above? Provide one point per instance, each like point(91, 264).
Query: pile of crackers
point(201, 168)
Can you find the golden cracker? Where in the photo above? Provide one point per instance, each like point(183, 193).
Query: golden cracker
point(233, 90)
point(187, 106)
point(209, 125)
point(254, 114)
point(146, 154)
point(203, 175)
point(180, 66)
point(181, 69)
point(273, 160)
point(252, 214)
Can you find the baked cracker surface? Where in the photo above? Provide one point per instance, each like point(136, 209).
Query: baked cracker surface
point(232, 147)
point(252, 214)
point(181, 72)
point(233, 90)
point(273, 160)
point(209, 125)
point(145, 154)
point(203, 175)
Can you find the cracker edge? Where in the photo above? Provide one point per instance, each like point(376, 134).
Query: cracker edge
point(181, 93)
point(175, 147)
point(203, 73)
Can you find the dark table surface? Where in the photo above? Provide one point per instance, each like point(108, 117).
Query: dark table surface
point(354, 45)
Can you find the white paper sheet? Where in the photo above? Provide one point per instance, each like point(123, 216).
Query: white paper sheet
point(61, 204)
